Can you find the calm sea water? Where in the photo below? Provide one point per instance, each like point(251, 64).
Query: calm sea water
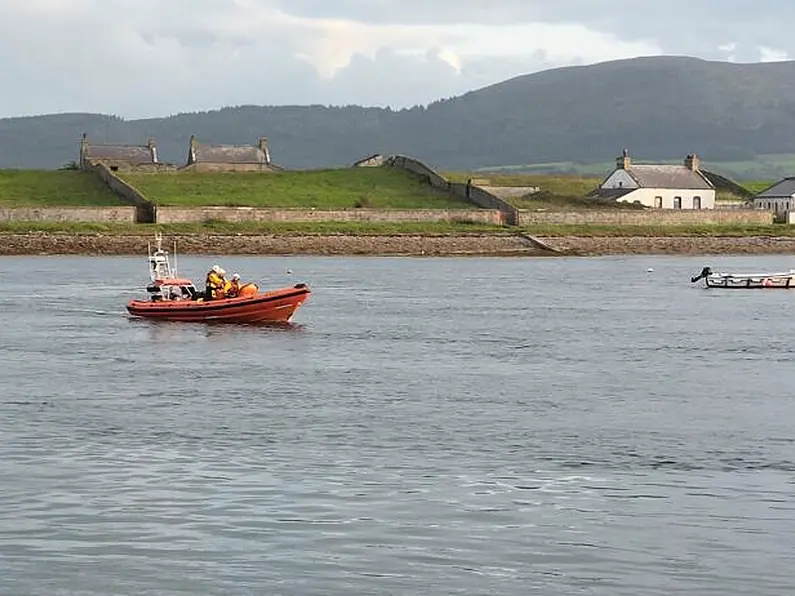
point(427, 426)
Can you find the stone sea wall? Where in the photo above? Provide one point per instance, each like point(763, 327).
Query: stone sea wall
point(655, 217)
point(39, 243)
point(70, 214)
point(168, 215)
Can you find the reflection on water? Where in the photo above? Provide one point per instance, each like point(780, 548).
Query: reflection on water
point(425, 426)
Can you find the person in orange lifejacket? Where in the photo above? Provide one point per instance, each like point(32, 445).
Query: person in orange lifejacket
point(214, 283)
point(232, 288)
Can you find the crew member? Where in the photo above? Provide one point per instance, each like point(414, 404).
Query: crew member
point(232, 288)
point(214, 283)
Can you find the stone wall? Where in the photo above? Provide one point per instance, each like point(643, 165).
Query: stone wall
point(144, 209)
point(231, 167)
point(474, 194)
point(166, 215)
point(70, 214)
point(508, 192)
point(656, 217)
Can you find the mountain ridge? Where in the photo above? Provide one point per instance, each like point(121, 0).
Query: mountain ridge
point(660, 107)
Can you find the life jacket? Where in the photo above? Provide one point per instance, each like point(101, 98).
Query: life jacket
point(214, 284)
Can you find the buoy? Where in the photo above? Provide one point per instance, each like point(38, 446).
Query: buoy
point(649, 270)
point(289, 272)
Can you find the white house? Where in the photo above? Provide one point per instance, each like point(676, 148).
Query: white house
point(659, 186)
point(779, 198)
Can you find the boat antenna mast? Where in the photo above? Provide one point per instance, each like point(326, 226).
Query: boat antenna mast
point(159, 265)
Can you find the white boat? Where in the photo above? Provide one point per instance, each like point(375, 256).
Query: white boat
point(742, 281)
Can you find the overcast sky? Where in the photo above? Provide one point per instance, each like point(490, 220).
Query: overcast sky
point(142, 58)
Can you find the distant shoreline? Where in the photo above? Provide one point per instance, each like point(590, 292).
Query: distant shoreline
point(450, 245)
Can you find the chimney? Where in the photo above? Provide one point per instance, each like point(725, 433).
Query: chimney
point(624, 161)
point(192, 150)
point(83, 150)
point(692, 162)
point(262, 144)
point(152, 149)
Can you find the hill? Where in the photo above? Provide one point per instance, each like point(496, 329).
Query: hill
point(346, 188)
point(658, 107)
point(33, 188)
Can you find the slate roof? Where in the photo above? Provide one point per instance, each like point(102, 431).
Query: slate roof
point(133, 154)
point(668, 176)
point(610, 193)
point(228, 154)
point(782, 188)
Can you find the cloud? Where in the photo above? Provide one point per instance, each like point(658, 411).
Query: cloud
point(141, 58)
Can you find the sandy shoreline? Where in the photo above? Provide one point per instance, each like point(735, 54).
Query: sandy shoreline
point(405, 245)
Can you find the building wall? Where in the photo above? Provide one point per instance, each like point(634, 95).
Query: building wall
point(242, 214)
point(647, 218)
point(619, 179)
point(651, 197)
point(70, 214)
point(777, 204)
point(230, 167)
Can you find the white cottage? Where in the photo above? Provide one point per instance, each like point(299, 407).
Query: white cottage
point(659, 186)
point(779, 198)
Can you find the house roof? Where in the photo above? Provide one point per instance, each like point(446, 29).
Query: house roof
point(782, 188)
point(610, 193)
point(133, 154)
point(229, 154)
point(668, 176)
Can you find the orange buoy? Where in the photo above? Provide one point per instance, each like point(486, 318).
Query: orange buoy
point(248, 290)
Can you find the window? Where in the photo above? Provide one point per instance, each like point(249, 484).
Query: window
point(658, 202)
point(696, 202)
point(677, 202)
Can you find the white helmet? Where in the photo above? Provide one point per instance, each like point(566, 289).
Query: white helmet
point(236, 276)
point(216, 269)
point(222, 272)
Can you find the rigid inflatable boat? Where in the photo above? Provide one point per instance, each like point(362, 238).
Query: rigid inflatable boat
point(771, 280)
point(174, 298)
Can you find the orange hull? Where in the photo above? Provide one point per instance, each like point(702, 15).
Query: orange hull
point(276, 306)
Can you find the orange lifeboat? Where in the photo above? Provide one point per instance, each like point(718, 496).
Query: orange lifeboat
point(174, 298)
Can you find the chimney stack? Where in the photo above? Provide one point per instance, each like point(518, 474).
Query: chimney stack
point(624, 161)
point(692, 162)
point(152, 148)
point(262, 144)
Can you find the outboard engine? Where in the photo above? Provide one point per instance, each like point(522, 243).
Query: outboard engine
point(706, 271)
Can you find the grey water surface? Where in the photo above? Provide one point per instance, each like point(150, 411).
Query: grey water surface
point(426, 426)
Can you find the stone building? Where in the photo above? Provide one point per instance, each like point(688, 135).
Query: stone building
point(229, 158)
point(119, 157)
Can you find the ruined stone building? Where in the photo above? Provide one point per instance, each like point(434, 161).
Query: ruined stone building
point(230, 158)
point(119, 157)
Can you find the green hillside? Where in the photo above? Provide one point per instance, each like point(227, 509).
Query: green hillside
point(739, 117)
point(31, 188)
point(344, 188)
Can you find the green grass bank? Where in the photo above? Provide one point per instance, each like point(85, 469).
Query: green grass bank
point(345, 188)
point(48, 188)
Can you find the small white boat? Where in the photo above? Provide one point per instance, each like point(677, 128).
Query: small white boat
point(743, 281)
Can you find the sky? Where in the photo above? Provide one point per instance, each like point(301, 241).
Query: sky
point(150, 58)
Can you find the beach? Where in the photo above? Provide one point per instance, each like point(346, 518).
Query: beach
point(474, 244)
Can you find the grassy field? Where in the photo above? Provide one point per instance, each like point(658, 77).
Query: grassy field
point(344, 188)
point(559, 185)
point(46, 188)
